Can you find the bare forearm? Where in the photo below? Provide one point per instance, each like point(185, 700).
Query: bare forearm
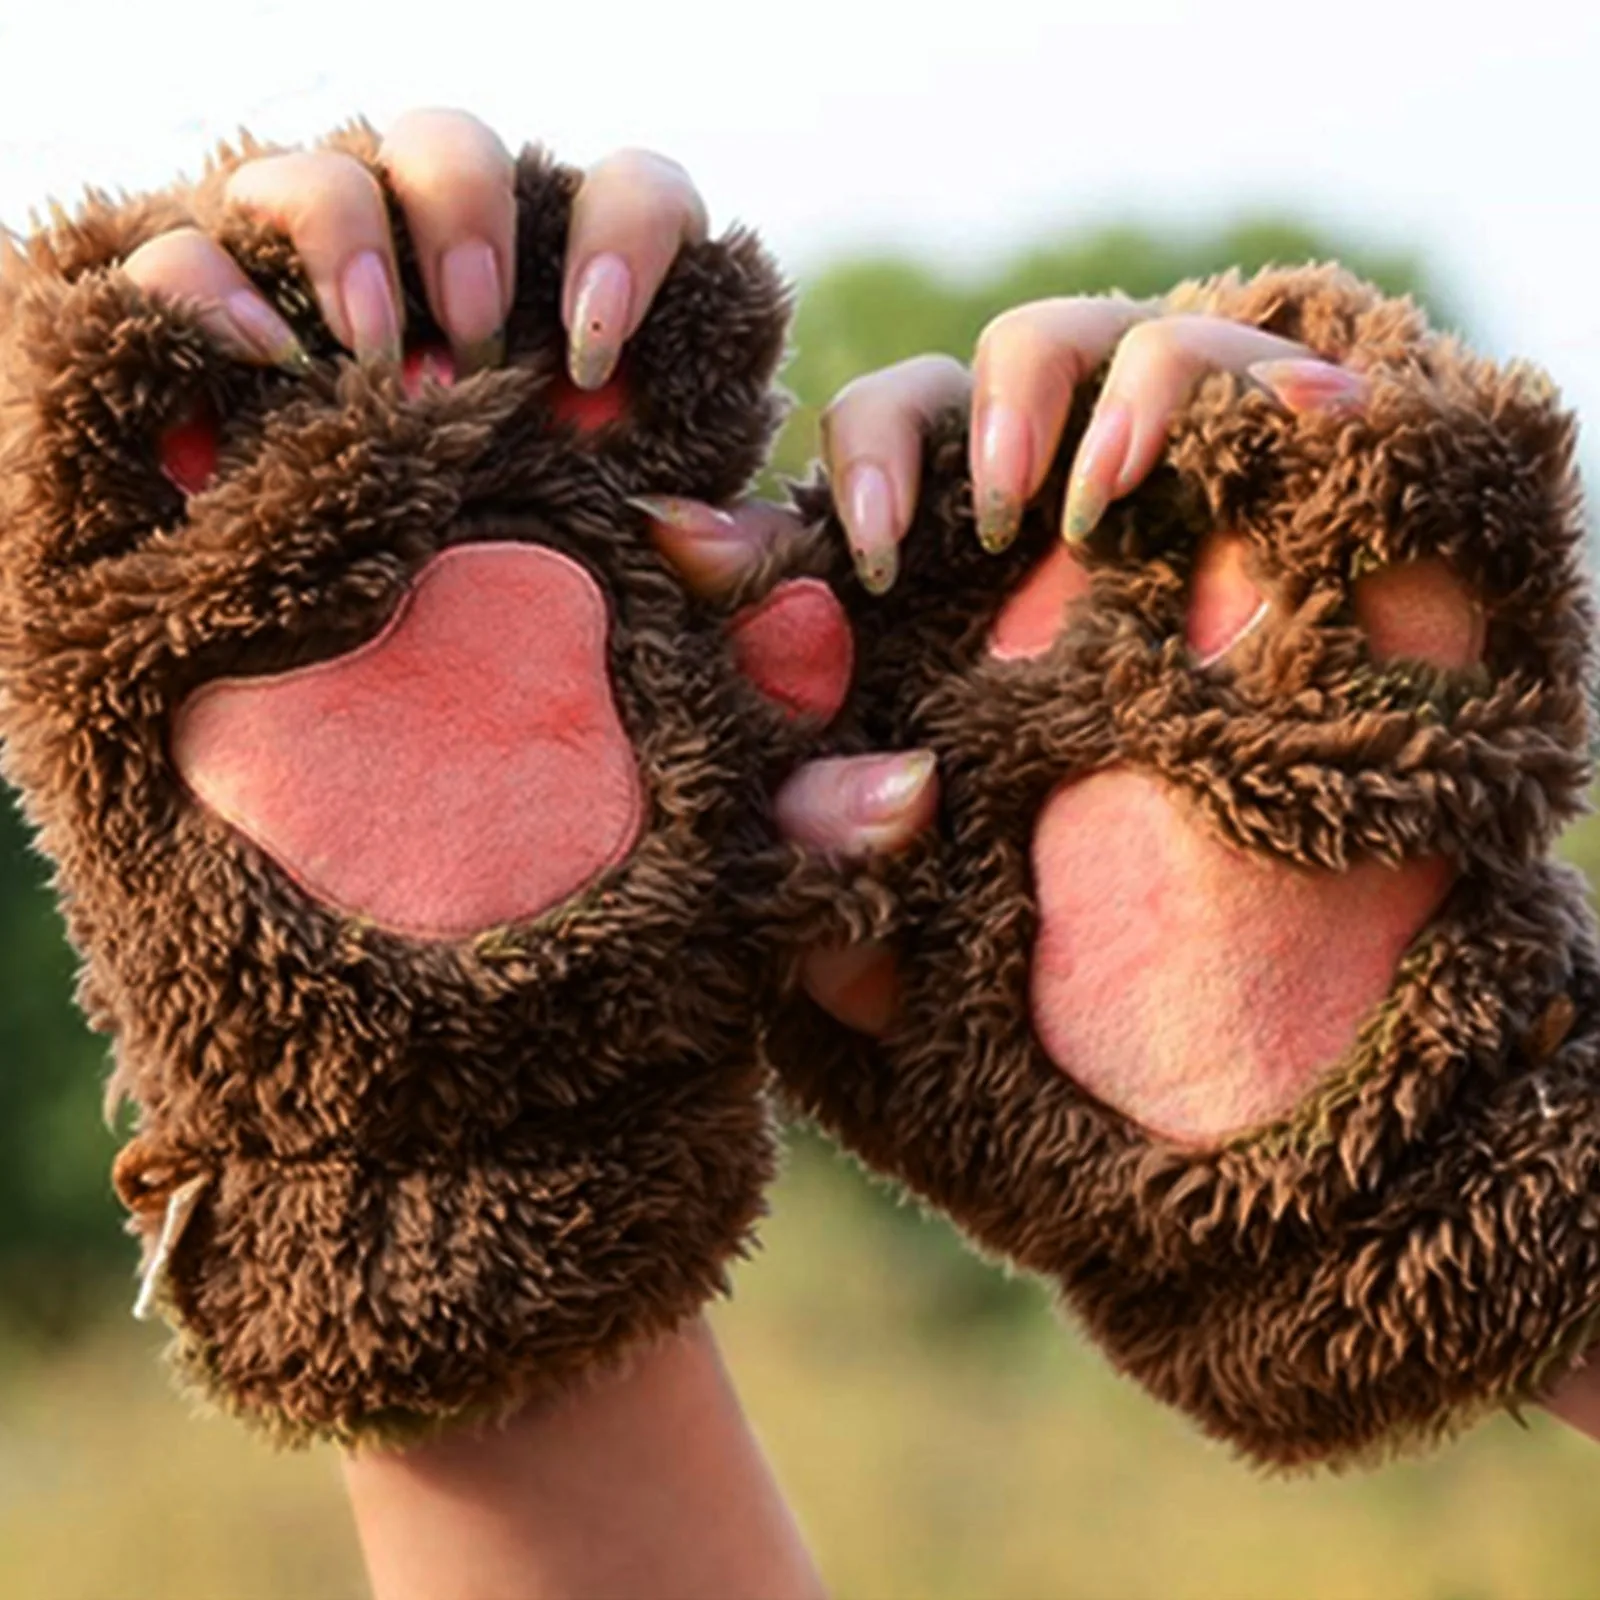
point(649, 1485)
point(1577, 1401)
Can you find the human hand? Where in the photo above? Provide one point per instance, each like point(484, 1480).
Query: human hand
point(1020, 390)
point(668, 1405)
point(453, 180)
point(1020, 387)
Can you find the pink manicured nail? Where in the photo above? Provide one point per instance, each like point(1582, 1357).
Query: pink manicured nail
point(470, 289)
point(369, 308)
point(866, 507)
point(1097, 469)
point(1311, 385)
point(265, 334)
point(890, 799)
point(1002, 458)
point(600, 309)
point(704, 544)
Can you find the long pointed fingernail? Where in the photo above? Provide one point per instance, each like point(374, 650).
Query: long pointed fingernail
point(1306, 384)
point(600, 308)
point(264, 335)
point(370, 311)
point(866, 507)
point(471, 295)
point(891, 799)
point(701, 542)
point(1002, 458)
point(1096, 470)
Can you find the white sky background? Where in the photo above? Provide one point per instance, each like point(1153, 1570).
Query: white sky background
point(1468, 131)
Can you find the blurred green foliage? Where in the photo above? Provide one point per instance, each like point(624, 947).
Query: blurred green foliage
point(59, 1222)
point(59, 1225)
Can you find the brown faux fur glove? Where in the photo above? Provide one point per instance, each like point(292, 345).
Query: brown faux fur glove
point(407, 812)
point(1240, 995)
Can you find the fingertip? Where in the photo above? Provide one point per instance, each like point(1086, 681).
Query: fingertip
point(856, 806)
point(858, 985)
point(188, 266)
point(265, 336)
point(1107, 465)
point(456, 184)
point(705, 546)
point(631, 215)
point(1001, 450)
point(869, 512)
point(600, 319)
point(370, 304)
point(472, 304)
point(334, 211)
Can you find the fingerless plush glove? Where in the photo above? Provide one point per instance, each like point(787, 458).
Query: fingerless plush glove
point(408, 814)
point(1241, 998)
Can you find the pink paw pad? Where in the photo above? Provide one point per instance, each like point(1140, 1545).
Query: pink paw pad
point(1411, 611)
point(588, 410)
point(464, 769)
point(188, 452)
point(1034, 615)
point(1198, 988)
point(796, 647)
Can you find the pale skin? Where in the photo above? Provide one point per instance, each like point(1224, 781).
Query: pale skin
point(650, 1483)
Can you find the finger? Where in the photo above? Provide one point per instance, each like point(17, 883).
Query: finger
point(872, 446)
point(1153, 372)
point(456, 183)
point(858, 985)
point(630, 218)
point(859, 805)
point(333, 210)
point(712, 550)
point(1028, 363)
point(1312, 385)
point(186, 265)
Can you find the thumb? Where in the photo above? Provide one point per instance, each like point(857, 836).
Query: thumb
point(710, 549)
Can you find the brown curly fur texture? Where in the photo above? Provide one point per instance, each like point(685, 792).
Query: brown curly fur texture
point(441, 1178)
point(1420, 1241)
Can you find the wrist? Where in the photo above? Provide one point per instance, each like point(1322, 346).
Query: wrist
point(646, 1482)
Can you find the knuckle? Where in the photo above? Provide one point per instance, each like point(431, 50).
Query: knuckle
point(435, 151)
point(1053, 339)
point(1146, 341)
point(857, 399)
point(1013, 327)
point(265, 174)
point(845, 401)
point(634, 162)
point(343, 179)
point(427, 123)
point(305, 181)
point(1149, 350)
point(928, 371)
point(658, 189)
point(176, 242)
point(179, 254)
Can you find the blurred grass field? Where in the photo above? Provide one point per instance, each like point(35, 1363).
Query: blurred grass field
point(939, 1438)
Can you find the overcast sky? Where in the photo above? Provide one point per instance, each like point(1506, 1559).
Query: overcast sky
point(1469, 131)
